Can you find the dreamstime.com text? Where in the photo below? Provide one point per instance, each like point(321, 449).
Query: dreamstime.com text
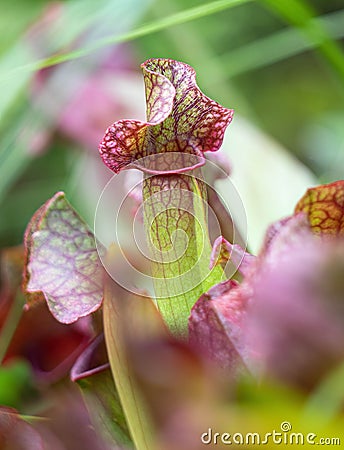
point(284, 436)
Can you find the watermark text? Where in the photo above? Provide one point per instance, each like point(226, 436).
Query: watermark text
point(284, 436)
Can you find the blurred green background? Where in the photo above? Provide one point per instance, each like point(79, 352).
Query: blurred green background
point(68, 69)
point(279, 64)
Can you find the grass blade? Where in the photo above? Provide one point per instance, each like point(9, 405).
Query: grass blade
point(300, 14)
point(152, 27)
point(279, 46)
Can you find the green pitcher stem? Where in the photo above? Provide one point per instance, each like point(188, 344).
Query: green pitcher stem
point(176, 225)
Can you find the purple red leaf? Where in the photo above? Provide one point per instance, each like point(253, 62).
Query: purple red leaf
point(62, 261)
point(216, 324)
point(15, 433)
point(295, 321)
point(223, 251)
point(324, 206)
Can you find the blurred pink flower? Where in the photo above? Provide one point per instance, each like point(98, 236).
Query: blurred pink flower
point(77, 100)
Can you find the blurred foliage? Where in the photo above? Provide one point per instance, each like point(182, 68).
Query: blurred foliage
point(15, 384)
point(260, 60)
point(293, 99)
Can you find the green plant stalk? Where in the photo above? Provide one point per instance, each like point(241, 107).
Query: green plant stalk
point(176, 225)
point(134, 406)
point(11, 324)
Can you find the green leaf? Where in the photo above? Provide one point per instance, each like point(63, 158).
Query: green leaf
point(121, 312)
point(93, 374)
point(62, 261)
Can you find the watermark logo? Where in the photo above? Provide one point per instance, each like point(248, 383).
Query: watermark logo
point(284, 436)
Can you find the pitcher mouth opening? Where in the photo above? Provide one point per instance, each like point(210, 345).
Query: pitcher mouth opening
point(168, 163)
